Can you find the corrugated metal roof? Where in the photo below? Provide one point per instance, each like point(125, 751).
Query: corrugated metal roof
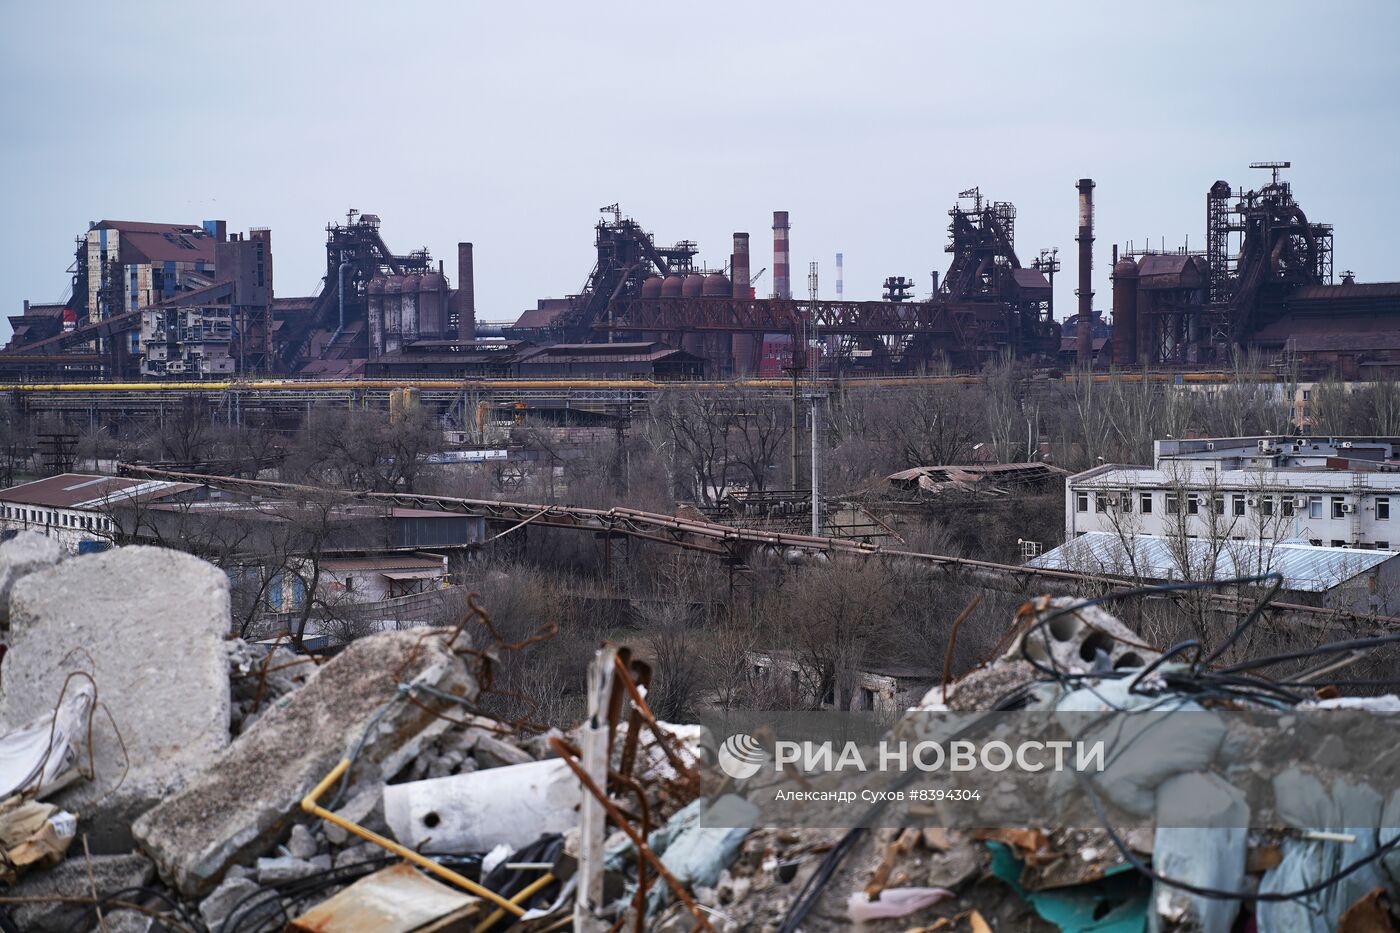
point(154, 247)
point(138, 226)
point(384, 564)
point(85, 490)
point(1334, 292)
point(1305, 568)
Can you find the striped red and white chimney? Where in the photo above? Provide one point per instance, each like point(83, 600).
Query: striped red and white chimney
point(782, 273)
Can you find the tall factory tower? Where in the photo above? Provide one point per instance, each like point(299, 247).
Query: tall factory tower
point(1084, 332)
point(782, 272)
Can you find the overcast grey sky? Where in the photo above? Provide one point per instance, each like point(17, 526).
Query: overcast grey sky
point(509, 124)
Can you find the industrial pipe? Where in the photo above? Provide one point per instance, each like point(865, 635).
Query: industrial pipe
point(1084, 355)
point(310, 803)
point(340, 294)
point(466, 293)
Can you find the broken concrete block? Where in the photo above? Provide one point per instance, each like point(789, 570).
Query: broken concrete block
point(301, 844)
point(1082, 641)
point(148, 625)
point(25, 553)
point(358, 854)
point(365, 808)
point(286, 868)
point(475, 812)
point(127, 921)
point(491, 752)
point(244, 801)
point(215, 908)
point(110, 873)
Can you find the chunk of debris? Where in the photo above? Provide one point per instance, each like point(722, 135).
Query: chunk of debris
point(41, 757)
point(491, 752)
point(32, 835)
point(1082, 639)
point(398, 899)
point(147, 625)
point(696, 854)
point(216, 908)
point(365, 808)
point(248, 795)
point(893, 902)
point(25, 553)
point(75, 878)
point(474, 812)
point(284, 868)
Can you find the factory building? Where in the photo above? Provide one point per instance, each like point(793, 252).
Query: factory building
point(1335, 492)
point(172, 301)
point(1265, 282)
point(986, 304)
point(155, 300)
point(129, 266)
point(77, 509)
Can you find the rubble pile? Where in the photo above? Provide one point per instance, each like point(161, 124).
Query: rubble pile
point(179, 779)
point(156, 774)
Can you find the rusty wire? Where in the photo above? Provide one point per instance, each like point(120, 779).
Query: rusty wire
point(953, 641)
point(91, 773)
point(109, 902)
point(687, 777)
point(643, 850)
point(264, 669)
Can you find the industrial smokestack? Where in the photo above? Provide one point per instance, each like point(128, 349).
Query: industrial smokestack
point(739, 266)
point(466, 294)
point(743, 348)
point(782, 276)
point(1085, 332)
point(840, 278)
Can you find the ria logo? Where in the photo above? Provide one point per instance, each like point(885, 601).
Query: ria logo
point(741, 756)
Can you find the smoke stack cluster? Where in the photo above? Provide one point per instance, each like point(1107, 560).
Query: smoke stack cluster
point(466, 294)
point(1085, 331)
point(782, 273)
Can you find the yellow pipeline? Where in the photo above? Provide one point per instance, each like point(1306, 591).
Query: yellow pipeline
point(310, 805)
point(525, 894)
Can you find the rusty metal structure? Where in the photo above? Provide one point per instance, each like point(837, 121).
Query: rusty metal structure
point(356, 255)
point(987, 303)
point(1263, 283)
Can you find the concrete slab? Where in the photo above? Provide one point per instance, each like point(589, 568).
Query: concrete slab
point(25, 553)
point(245, 801)
point(148, 625)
